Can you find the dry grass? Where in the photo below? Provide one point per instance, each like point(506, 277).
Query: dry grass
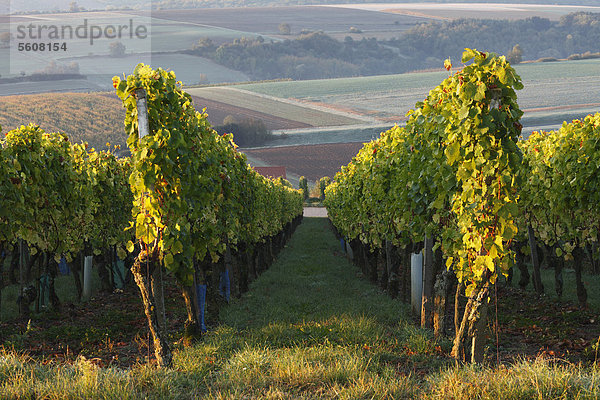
point(95, 118)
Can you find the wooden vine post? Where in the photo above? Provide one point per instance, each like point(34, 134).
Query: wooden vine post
point(427, 298)
point(156, 283)
point(535, 261)
point(147, 262)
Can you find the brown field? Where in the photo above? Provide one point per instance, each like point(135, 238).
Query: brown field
point(96, 118)
point(312, 161)
point(274, 106)
point(217, 111)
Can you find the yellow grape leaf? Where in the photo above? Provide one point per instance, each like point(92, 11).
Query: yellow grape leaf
point(452, 152)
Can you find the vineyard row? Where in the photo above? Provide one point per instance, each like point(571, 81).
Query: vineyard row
point(186, 201)
point(459, 180)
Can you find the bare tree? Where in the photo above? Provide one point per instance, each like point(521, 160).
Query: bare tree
point(284, 28)
point(5, 39)
point(116, 49)
point(515, 56)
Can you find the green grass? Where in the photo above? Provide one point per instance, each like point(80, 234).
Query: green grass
point(534, 73)
point(591, 282)
point(315, 89)
point(315, 285)
point(524, 380)
point(557, 84)
point(309, 328)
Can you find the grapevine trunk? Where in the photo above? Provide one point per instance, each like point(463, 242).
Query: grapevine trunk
point(142, 269)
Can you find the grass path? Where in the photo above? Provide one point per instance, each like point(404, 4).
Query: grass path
point(312, 281)
point(309, 328)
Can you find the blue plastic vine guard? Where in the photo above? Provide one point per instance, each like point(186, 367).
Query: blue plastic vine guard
point(201, 294)
point(63, 267)
point(225, 285)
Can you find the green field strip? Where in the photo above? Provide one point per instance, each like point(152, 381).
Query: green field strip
point(281, 109)
point(315, 89)
point(563, 72)
point(561, 84)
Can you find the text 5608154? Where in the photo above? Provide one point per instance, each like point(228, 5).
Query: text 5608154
point(43, 46)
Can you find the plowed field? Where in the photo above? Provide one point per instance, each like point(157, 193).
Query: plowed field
point(217, 111)
point(311, 161)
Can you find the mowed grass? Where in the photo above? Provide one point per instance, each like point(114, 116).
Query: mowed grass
point(275, 107)
point(309, 328)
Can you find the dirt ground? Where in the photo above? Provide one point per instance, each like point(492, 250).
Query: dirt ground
point(217, 112)
point(312, 161)
point(315, 212)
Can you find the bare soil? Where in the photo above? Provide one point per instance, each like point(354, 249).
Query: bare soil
point(217, 112)
point(110, 329)
point(312, 161)
point(532, 325)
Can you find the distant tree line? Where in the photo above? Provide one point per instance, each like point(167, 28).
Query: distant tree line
point(537, 37)
point(317, 55)
point(249, 132)
point(309, 56)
